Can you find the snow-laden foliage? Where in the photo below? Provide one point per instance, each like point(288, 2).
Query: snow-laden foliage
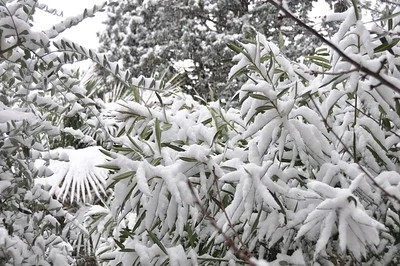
point(305, 172)
point(38, 95)
point(50, 124)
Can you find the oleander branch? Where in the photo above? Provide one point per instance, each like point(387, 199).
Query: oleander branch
point(286, 13)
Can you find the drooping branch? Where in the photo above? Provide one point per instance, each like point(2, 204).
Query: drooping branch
point(383, 81)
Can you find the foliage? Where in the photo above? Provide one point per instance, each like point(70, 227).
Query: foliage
point(305, 171)
point(190, 36)
point(38, 95)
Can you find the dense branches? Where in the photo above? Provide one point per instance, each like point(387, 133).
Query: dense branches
point(304, 171)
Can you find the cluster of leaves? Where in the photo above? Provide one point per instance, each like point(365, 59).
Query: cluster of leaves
point(305, 172)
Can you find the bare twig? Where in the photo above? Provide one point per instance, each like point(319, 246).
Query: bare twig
point(314, 72)
point(213, 222)
point(360, 67)
point(226, 214)
point(369, 116)
point(362, 168)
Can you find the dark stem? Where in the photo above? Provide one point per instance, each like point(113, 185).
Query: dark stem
point(359, 66)
point(352, 155)
point(213, 222)
point(226, 215)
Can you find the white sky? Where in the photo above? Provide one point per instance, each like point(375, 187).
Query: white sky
point(321, 8)
point(85, 32)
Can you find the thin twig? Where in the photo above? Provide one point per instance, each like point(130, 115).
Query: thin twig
point(390, 2)
point(213, 222)
point(360, 67)
point(373, 119)
point(325, 121)
point(226, 214)
point(314, 72)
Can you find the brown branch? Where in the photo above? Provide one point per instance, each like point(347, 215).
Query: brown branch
point(360, 67)
point(213, 222)
point(226, 214)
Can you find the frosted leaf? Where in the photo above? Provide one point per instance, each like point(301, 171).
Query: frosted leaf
point(177, 256)
point(326, 231)
point(142, 180)
point(15, 115)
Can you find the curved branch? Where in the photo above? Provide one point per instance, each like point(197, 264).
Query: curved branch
point(383, 81)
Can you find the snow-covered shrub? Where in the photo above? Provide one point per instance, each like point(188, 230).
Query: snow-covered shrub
point(37, 94)
point(306, 172)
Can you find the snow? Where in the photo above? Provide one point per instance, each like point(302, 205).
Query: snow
point(4, 184)
point(283, 163)
point(7, 115)
point(142, 180)
point(74, 177)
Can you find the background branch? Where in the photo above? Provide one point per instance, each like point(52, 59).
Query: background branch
point(360, 67)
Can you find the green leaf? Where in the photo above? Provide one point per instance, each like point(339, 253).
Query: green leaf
point(119, 244)
point(188, 159)
point(386, 46)
point(159, 98)
point(157, 241)
point(158, 133)
point(281, 40)
point(207, 121)
point(110, 167)
point(398, 106)
point(25, 9)
point(327, 66)
point(259, 97)
point(116, 68)
point(350, 199)
point(355, 6)
point(238, 50)
point(176, 148)
point(124, 175)
point(7, 26)
point(317, 58)
point(156, 161)
point(235, 48)
point(264, 108)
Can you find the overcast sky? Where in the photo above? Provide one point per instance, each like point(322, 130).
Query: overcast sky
point(85, 32)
